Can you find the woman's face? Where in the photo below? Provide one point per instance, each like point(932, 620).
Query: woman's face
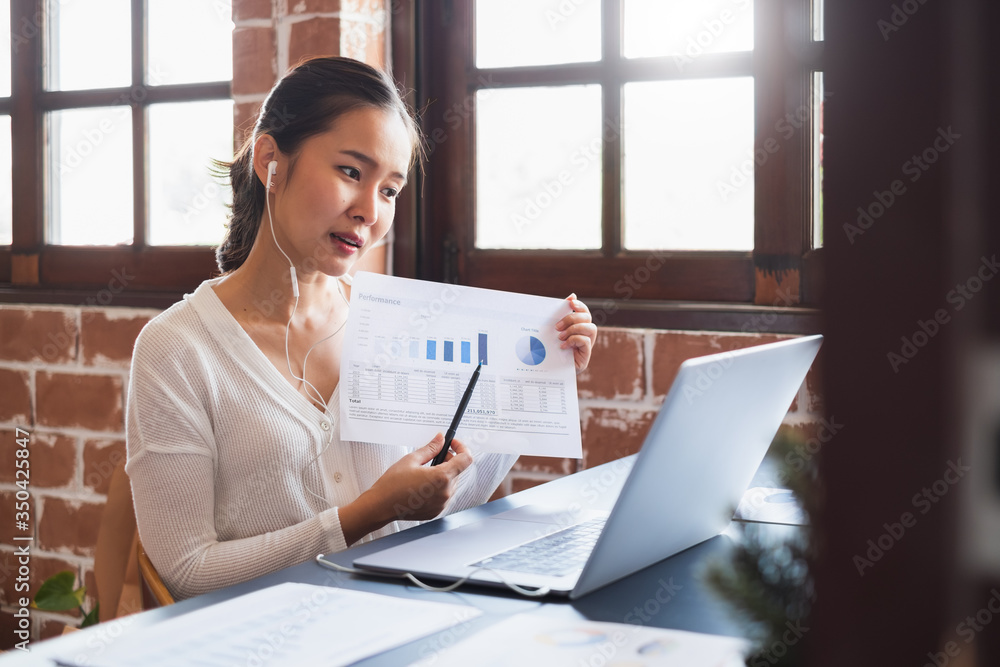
point(340, 197)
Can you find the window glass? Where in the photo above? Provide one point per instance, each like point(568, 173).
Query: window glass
point(90, 176)
point(688, 168)
point(89, 44)
point(6, 187)
point(538, 167)
point(686, 30)
point(517, 33)
point(817, 158)
point(190, 41)
point(187, 204)
point(5, 48)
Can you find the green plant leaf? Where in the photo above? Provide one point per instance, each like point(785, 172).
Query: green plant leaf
point(91, 618)
point(56, 593)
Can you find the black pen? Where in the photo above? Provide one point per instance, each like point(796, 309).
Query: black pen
point(450, 435)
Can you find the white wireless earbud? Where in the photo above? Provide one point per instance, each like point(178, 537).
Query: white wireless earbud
point(272, 167)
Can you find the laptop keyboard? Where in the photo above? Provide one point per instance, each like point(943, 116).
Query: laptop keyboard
point(556, 554)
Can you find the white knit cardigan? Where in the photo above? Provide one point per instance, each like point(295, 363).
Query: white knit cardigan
point(221, 453)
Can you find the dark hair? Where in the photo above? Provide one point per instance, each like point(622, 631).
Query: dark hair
point(303, 104)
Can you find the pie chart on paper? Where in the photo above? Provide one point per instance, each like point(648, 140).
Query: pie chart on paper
point(530, 351)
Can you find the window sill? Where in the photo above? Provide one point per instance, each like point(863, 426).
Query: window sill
point(703, 316)
point(104, 297)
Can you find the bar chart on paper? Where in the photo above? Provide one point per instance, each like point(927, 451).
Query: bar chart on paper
point(465, 351)
point(411, 348)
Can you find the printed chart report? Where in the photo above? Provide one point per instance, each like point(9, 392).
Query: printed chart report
point(412, 346)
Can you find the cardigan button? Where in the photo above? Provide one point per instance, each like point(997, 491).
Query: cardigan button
point(325, 425)
point(337, 477)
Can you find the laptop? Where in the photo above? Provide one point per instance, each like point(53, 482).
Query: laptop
point(704, 447)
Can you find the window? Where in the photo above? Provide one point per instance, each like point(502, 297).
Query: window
point(114, 118)
point(634, 151)
point(5, 135)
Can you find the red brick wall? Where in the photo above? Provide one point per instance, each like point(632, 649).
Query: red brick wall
point(63, 377)
point(270, 37)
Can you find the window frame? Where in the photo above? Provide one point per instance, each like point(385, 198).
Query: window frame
point(32, 270)
point(697, 290)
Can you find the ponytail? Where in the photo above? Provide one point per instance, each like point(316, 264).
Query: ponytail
point(247, 209)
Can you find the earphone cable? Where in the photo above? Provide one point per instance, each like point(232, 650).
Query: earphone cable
point(311, 391)
point(520, 590)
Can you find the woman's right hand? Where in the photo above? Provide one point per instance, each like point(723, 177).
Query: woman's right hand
point(409, 490)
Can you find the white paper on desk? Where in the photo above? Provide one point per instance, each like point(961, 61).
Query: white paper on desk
point(412, 346)
point(530, 639)
point(285, 625)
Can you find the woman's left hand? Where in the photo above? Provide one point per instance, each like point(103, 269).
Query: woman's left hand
point(578, 332)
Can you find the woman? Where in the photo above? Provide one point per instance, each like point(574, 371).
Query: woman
point(234, 453)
